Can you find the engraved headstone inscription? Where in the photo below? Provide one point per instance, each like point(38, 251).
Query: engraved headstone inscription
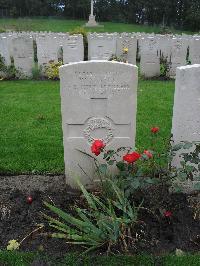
point(98, 101)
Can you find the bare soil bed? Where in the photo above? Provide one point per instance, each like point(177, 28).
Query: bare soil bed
point(155, 234)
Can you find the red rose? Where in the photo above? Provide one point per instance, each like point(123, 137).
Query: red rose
point(167, 213)
point(131, 157)
point(97, 147)
point(148, 154)
point(155, 129)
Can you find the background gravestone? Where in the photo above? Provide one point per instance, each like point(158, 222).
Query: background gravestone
point(4, 50)
point(195, 50)
point(101, 46)
point(186, 116)
point(99, 101)
point(149, 61)
point(129, 41)
point(47, 48)
point(73, 49)
point(23, 54)
point(178, 54)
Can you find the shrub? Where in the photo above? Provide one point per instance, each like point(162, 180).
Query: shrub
point(2, 30)
point(164, 67)
point(36, 72)
point(135, 170)
point(122, 58)
point(8, 72)
point(52, 70)
point(188, 172)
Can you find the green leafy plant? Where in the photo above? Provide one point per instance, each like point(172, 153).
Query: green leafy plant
point(122, 58)
point(2, 30)
point(189, 155)
point(105, 223)
point(36, 72)
point(164, 67)
point(8, 72)
point(52, 70)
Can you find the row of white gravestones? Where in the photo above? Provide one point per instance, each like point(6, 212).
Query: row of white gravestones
point(149, 47)
point(48, 48)
point(20, 47)
point(150, 50)
point(103, 46)
point(99, 101)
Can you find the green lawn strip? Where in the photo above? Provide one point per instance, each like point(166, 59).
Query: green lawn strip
point(186, 260)
point(30, 123)
point(14, 258)
point(30, 127)
point(155, 108)
point(63, 25)
point(117, 260)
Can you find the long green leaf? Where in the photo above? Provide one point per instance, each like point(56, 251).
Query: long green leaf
point(67, 217)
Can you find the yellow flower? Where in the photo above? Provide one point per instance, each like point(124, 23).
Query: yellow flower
point(125, 50)
point(13, 245)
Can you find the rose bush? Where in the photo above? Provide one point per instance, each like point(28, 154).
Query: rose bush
point(136, 170)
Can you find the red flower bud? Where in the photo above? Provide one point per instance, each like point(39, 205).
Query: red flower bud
point(155, 129)
point(29, 200)
point(149, 154)
point(131, 157)
point(167, 213)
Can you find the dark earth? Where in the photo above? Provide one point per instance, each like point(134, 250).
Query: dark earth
point(156, 234)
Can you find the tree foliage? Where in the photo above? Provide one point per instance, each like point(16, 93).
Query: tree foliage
point(183, 14)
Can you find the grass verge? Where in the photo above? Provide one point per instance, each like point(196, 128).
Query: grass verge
point(25, 259)
point(30, 123)
point(63, 25)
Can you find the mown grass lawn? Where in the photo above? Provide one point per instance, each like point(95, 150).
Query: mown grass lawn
point(63, 25)
point(25, 259)
point(30, 123)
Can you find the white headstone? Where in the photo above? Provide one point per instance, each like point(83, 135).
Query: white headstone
point(101, 46)
point(164, 42)
point(47, 48)
point(4, 50)
point(73, 49)
point(186, 115)
point(23, 54)
point(186, 118)
point(127, 41)
point(99, 101)
point(195, 50)
point(178, 54)
point(149, 61)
